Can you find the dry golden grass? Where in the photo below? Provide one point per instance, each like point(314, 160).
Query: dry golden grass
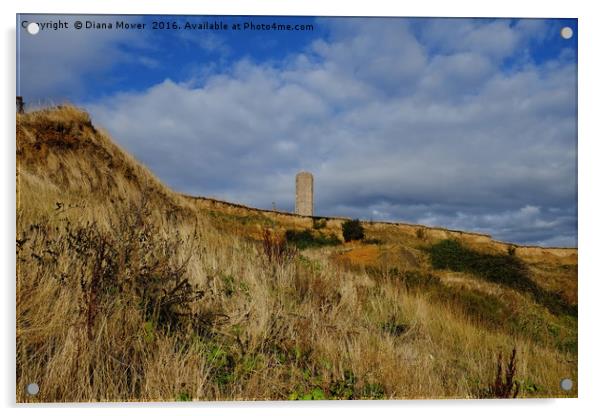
point(127, 291)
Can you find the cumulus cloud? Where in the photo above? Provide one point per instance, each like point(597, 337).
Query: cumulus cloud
point(493, 38)
point(396, 123)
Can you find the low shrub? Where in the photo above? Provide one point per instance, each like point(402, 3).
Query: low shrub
point(275, 248)
point(353, 230)
point(306, 239)
point(131, 266)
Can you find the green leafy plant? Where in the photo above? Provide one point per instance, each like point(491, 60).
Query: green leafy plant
point(344, 389)
point(529, 386)
point(314, 394)
point(222, 364)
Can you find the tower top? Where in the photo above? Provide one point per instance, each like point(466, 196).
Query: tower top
point(304, 173)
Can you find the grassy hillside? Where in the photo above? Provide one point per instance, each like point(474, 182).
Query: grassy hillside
point(129, 291)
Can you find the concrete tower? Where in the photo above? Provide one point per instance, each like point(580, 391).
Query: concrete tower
point(304, 196)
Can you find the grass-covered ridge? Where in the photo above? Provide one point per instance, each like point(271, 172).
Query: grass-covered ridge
point(129, 291)
point(505, 269)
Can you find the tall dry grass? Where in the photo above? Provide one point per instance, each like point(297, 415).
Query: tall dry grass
point(126, 293)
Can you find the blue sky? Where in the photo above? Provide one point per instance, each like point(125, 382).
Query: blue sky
point(462, 123)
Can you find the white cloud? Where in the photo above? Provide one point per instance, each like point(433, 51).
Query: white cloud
point(383, 53)
point(496, 39)
point(389, 129)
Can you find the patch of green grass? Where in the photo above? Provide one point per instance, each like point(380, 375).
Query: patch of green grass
point(232, 285)
point(565, 331)
point(149, 332)
point(311, 265)
point(374, 391)
point(251, 363)
point(222, 364)
point(183, 397)
point(229, 285)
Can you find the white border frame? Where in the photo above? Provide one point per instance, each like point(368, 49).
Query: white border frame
point(590, 29)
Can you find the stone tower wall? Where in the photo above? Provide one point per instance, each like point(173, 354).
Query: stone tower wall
point(304, 197)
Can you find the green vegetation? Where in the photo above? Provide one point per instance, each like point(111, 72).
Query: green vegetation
point(319, 223)
point(345, 388)
point(314, 394)
point(223, 364)
point(306, 239)
point(353, 230)
point(183, 397)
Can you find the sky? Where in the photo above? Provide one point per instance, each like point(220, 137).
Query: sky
point(467, 124)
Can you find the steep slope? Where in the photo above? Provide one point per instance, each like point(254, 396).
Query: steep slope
point(127, 290)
